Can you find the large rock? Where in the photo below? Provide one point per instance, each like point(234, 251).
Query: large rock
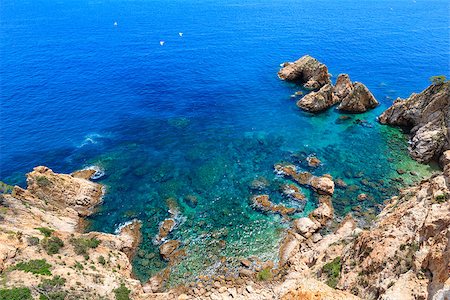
point(308, 71)
point(358, 100)
point(323, 185)
point(168, 248)
point(427, 115)
point(318, 101)
point(342, 88)
point(306, 226)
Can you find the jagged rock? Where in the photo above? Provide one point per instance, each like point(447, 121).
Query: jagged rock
point(289, 247)
point(165, 227)
point(358, 100)
point(306, 226)
point(318, 101)
point(323, 185)
point(313, 161)
point(325, 211)
point(308, 71)
point(292, 191)
point(168, 248)
point(342, 88)
point(263, 203)
point(427, 114)
point(411, 235)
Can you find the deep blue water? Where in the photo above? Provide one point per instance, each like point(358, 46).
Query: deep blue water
point(205, 113)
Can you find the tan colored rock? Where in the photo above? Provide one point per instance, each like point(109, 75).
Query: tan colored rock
point(306, 226)
point(318, 101)
point(167, 249)
point(342, 88)
point(307, 70)
point(323, 185)
point(428, 116)
point(359, 100)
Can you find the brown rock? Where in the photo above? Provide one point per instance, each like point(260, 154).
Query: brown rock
point(313, 161)
point(322, 185)
point(307, 70)
point(428, 116)
point(318, 101)
point(359, 100)
point(168, 248)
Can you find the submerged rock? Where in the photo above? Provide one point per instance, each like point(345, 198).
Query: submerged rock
point(313, 161)
point(427, 114)
point(262, 202)
point(165, 227)
point(308, 71)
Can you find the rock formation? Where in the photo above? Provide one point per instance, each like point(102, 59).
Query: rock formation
point(40, 237)
point(406, 255)
point(318, 101)
point(358, 100)
point(352, 97)
point(307, 71)
point(427, 115)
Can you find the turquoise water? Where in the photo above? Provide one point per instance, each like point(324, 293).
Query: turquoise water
point(205, 114)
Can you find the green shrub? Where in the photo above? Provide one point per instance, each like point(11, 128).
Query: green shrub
point(15, 294)
point(52, 245)
point(51, 289)
point(35, 266)
point(101, 260)
point(441, 198)
point(43, 181)
point(78, 266)
point(438, 79)
point(82, 245)
point(333, 270)
point(45, 231)
point(264, 275)
point(5, 188)
point(122, 293)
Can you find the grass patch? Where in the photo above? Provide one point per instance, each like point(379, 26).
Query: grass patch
point(333, 270)
point(52, 245)
point(264, 275)
point(122, 293)
point(15, 294)
point(35, 266)
point(47, 232)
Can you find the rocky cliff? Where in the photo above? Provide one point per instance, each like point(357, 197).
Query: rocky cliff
point(427, 116)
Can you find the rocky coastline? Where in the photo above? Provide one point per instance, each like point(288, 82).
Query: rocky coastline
point(405, 254)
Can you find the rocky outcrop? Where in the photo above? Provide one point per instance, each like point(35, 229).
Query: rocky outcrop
point(318, 101)
point(427, 115)
point(358, 100)
point(40, 225)
point(323, 185)
point(406, 255)
point(263, 203)
point(307, 71)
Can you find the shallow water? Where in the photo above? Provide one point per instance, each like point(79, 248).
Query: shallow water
point(204, 115)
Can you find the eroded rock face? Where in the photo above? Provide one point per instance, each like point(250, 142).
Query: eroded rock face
point(318, 101)
point(428, 116)
point(168, 249)
point(358, 100)
point(406, 255)
point(308, 71)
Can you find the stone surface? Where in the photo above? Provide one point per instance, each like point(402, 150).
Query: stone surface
point(306, 70)
point(318, 101)
point(427, 115)
point(358, 100)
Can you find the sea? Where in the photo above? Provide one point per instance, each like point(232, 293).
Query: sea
point(178, 104)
